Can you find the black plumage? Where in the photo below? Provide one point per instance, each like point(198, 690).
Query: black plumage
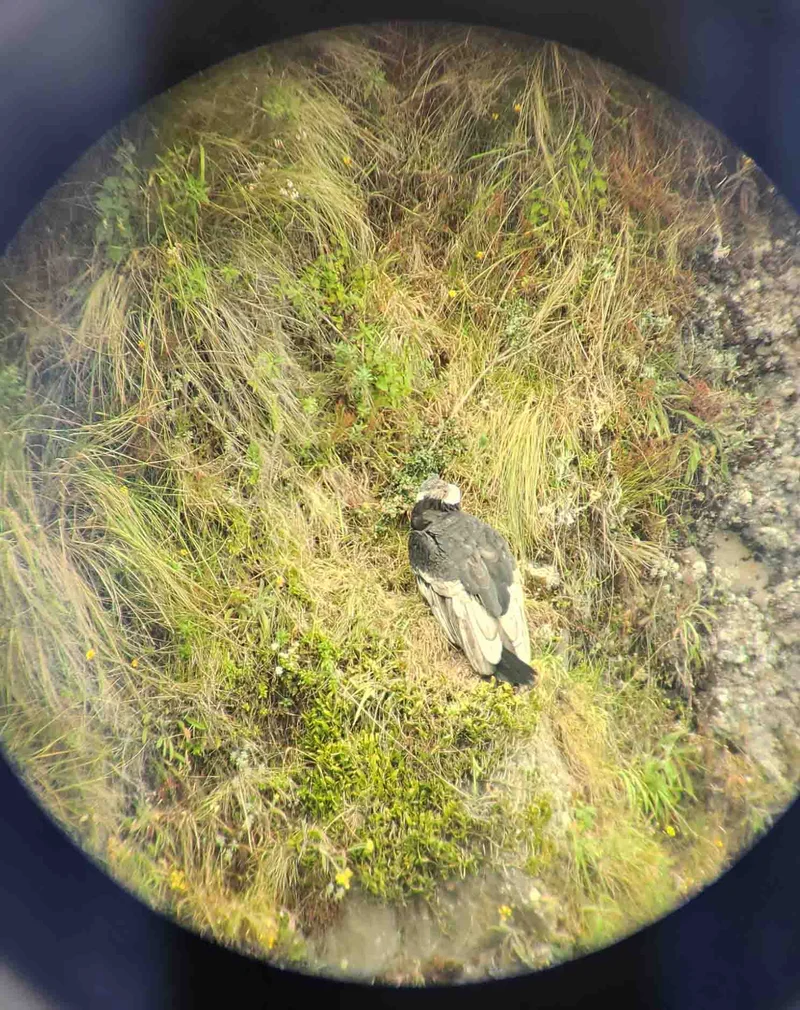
point(467, 573)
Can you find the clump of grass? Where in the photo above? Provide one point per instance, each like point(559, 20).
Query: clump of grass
point(343, 265)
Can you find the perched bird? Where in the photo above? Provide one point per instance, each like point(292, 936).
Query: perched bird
point(466, 572)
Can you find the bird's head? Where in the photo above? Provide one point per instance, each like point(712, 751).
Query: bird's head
point(437, 488)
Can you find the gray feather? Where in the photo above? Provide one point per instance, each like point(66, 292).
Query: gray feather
point(468, 576)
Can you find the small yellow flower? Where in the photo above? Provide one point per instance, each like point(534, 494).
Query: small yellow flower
point(271, 939)
point(670, 831)
point(719, 843)
point(495, 115)
point(135, 663)
point(177, 881)
point(184, 552)
point(344, 877)
point(505, 912)
point(518, 107)
point(479, 254)
point(90, 654)
point(142, 345)
point(123, 489)
point(347, 160)
point(452, 293)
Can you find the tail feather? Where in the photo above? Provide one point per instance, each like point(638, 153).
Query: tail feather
point(513, 670)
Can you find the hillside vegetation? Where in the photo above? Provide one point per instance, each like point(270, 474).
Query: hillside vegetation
point(235, 340)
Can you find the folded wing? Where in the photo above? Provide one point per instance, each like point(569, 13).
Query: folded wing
point(467, 574)
point(469, 626)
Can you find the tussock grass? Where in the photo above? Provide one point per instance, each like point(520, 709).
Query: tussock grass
point(336, 267)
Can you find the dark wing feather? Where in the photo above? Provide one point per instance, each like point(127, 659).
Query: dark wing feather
point(466, 572)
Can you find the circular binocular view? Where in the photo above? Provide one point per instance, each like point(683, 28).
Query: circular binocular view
point(399, 501)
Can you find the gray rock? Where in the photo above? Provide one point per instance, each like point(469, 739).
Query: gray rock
point(751, 305)
point(773, 538)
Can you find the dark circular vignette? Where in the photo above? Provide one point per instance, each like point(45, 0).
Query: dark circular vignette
point(71, 69)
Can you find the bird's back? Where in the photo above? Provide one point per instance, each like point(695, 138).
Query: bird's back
point(467, 573)
point(456, 545)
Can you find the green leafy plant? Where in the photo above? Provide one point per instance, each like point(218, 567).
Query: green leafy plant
point(331, 284)
point(179, 178)
point(12, 390)
point(588, 177)
point(373, 376)
point(117, 206)
point(659, 782)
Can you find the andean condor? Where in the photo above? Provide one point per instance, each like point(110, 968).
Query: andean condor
point(466, 572)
